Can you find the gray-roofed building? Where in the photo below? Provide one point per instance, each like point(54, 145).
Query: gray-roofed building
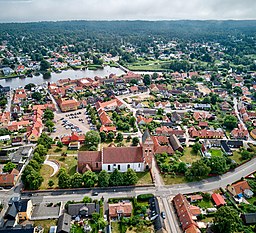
point(249, 218)
point(175, 143)
point(64, 223)
point(83, 210)
point(145, 136)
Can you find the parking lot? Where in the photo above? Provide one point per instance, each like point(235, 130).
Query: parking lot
point(76, 121)
point(45, 211)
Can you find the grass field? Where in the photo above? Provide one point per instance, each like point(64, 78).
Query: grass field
point(144, 178)
point(69, 163)
point(216, 152)
point(190, 156)
point(204, 204)
point(236, 157)
point(46, 224)
point(169, 180)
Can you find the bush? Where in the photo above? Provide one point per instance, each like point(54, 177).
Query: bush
point(145, 197)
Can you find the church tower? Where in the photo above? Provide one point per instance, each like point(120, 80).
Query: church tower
point(148, 149)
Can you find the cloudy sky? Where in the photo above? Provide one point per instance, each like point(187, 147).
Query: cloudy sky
point(41, 10)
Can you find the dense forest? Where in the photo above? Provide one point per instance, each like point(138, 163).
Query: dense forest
point(107, 35)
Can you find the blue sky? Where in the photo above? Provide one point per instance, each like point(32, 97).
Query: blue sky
point(41, 10)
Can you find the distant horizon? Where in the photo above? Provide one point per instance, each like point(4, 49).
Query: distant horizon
point(23, 11)
point(124, 20)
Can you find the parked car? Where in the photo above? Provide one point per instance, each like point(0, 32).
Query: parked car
point(163, 215)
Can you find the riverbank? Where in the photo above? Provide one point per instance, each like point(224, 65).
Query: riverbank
point(16, 82)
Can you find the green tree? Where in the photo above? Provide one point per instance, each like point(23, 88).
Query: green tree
point(147, 80)
point(48, 114)
point(198, 170)
point(135, 141)
point(37, 96)
point(116, 178)
point(238, 90)
point(63, 179)
point(9, 167)
point(226, 220)
point(103, 136)
point(217, 164)
point(29, 86)
point(132, 121)
point(182, 168)
point(49, 124)
point(110, 136)
point(41, 150)
point(214, 99)
point(130, 177)
point(77, 180)
point(230, 122)
point(87, 199)
point(90, 179)
point(196, 147)
point(40, 159)
point(44, 65)
point(103, 179)
point(45, 140)
point(92, 138)
point(119, 137)
point(33, 163)
point(50, 183)
point(59, 144)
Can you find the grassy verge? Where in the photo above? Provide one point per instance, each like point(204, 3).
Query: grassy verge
point(190, 156)
point(169, 180)
point(46, 224)
point(144, 178)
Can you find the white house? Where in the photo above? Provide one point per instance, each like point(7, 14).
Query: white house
point(5, 138)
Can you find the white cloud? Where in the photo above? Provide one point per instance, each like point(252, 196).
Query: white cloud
point(38, 10)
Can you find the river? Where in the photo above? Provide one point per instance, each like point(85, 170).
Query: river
point(72, 74)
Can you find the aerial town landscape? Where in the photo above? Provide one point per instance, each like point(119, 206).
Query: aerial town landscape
point(128, 126)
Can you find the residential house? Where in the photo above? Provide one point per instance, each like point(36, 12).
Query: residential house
point(120, 209)
point(202, 106)
point(225, 147)
point(249, 218)
point(239, 133)
point(204, 133)
point(129, 76)
point(9, 179)
point(143, 120)
point(218, 199)
point(238, 188)
point(186, 212)
point(19, 210)
point(64, 223)
point(74, 137)
point(83, 210)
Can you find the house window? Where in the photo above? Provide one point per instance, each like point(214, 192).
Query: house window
point(139, 165)
point(149, 151)
point(118, 167)
point(146, 151)
point(97, 165)
point(109, 167)
point(128, 166)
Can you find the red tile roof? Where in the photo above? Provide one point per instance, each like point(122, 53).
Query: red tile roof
point(113, 155)
point(218, 199)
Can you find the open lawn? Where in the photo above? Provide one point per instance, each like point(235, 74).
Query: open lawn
point(169, 180)
point(144, 178)
point(190, 156)
point(252, 200)
point(46, 172)
point(55, 150)
point(76, 229)
point(68, 162)
point(236, 157)
point(204, 204)
point(46, 224)
point(216, 152)
point(143, 229)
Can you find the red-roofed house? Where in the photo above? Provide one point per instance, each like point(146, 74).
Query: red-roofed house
point(74, 137)
point(218, 199)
